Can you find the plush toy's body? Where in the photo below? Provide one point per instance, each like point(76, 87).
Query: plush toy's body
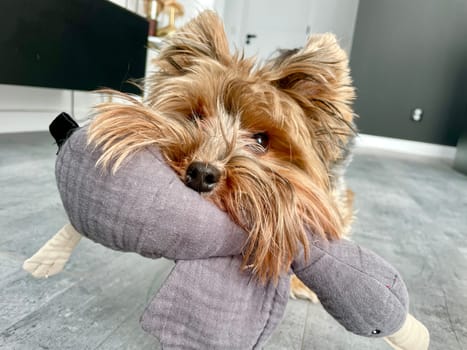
point(154, 214)
point(262, 146)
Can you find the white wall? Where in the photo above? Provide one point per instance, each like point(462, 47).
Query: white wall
point(232, 15)
point(336, 16)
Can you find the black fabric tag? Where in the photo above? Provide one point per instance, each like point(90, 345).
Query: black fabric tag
point(62, 127)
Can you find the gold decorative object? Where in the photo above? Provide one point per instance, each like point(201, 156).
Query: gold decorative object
point(155, 9)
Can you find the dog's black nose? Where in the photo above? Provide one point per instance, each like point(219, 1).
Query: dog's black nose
point(202, 177)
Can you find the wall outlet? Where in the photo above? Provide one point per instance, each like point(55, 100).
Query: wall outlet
point(417, 115)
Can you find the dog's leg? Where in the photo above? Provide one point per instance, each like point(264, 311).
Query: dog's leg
point(298, 290)
point(52, 257)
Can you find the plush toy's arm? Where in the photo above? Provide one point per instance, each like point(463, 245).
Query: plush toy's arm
point(142, 208)
point(362, 292)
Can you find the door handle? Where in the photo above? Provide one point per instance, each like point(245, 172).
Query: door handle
point(249, 37)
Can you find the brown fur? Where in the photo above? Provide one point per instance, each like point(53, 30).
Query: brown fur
point(298, 290)
point(205, 104)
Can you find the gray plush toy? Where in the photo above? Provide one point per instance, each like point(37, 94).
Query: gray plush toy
point(207, 302)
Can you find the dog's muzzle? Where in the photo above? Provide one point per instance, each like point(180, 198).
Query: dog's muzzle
point(202, 177)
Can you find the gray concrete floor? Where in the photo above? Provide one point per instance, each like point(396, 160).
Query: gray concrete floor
point(412, 211)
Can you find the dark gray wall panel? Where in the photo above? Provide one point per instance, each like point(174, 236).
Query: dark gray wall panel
point(411, 54)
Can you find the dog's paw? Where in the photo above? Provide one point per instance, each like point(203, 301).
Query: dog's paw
point(298, 290)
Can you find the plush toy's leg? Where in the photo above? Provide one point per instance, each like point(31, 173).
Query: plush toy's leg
point(412, 336)
point(52, 257)
point(298, 290)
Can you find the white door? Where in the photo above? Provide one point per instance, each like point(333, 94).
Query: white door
point(268, 25)
point(273, 24)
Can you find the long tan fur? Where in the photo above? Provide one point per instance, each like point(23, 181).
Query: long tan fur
point(204, 104)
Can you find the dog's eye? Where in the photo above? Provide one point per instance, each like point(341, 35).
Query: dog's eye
point(262, 139)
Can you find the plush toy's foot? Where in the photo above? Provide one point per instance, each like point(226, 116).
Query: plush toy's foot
point(412, 336)
point(298, 290)
point(52, 257)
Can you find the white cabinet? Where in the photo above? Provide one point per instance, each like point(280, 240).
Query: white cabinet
point(24, 108)
point(29, 108)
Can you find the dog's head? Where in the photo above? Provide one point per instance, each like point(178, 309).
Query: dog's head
point(256, 140)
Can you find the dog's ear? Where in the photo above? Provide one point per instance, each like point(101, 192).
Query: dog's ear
point(201, 38)
point(317, 78)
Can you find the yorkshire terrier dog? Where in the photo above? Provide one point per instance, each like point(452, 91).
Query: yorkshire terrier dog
point(265, 142)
